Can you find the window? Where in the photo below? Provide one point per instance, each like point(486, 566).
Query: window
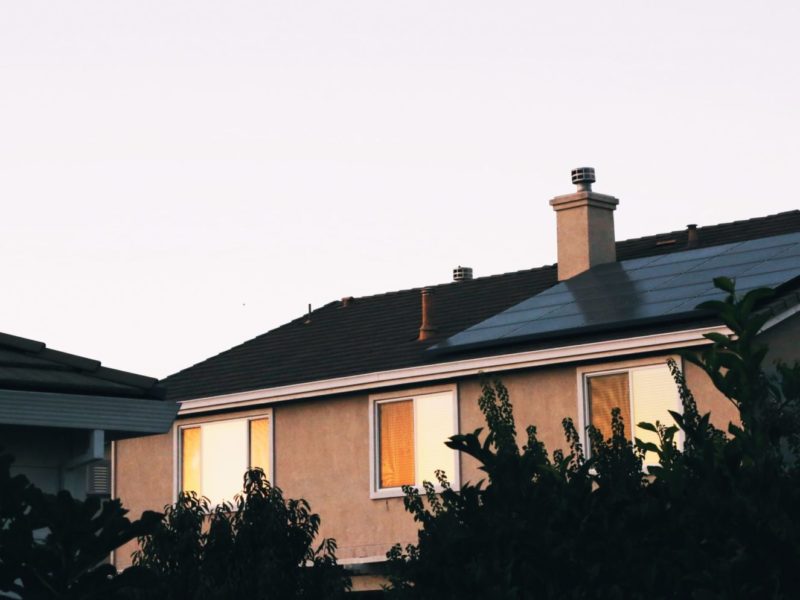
point(645, 393)
point(408, 435)
point(214, 456)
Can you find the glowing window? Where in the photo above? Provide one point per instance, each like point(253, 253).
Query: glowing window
point(642, 394)
point(215, 456)
point(409, 440)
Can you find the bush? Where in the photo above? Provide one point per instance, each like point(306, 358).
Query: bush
point(718, 519)
point(258, 546)
point(55, 547)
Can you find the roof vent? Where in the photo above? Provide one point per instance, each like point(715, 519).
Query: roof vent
point(462, 273)
point(427, 328)
point(583, 177)
point(692, 236)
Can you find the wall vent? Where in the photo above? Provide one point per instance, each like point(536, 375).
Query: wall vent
point(98, 478)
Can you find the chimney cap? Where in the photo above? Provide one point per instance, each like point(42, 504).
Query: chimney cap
point(583, 177)
point(462, 273)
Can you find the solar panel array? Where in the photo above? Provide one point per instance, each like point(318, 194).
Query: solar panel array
point(641, 290)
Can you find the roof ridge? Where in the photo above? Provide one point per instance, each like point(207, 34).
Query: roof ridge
point(448, 283)
point(706, 227)
point(355, 299)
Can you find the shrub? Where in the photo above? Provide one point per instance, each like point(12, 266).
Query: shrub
point(258, 546)
point(718, 519)
point(55, 546)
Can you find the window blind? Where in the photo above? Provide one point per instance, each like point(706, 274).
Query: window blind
point(396, 443)
point(607, 392)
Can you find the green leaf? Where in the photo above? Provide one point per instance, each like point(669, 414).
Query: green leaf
point(647, 426)
point(725, 284)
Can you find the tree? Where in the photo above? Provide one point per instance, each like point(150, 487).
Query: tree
point(718, 519)
point(56, 547)
point(258, 546)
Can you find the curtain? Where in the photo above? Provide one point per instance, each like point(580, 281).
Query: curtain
point(396, 443)
point(190, 459)
point(259, 445)
point(605, 393)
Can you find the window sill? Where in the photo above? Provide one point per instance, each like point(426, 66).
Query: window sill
point(387, 493)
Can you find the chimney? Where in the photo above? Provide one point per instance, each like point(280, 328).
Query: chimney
point(585, 224)
point(428, 328)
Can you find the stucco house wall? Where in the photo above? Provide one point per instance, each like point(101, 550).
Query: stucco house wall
point(322, 448)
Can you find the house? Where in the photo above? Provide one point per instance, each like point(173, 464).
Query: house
point(345, 405)
point(60, 414)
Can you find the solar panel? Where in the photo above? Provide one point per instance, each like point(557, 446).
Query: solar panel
point(638, 291)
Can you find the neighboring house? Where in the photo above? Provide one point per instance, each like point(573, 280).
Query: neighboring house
point(345, 405)
point(60, 413)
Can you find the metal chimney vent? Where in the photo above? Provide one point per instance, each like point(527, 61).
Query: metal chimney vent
point(583, 177)
point(98, 478)
point(462, 273)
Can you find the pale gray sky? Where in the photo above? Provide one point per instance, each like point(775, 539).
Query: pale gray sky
point(178, 177)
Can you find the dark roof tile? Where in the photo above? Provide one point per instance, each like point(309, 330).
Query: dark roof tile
point(28, 365)
point(376, 333)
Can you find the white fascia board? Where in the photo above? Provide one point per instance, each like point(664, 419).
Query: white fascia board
point(449, 370)
point(779, 318)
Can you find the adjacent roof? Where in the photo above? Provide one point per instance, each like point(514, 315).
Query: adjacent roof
point(377, 333)
point(30, 365)
point(638, 291)
point(48, 388)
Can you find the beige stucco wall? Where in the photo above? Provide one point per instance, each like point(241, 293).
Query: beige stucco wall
point(322, 455)
point(143, 479)
point(321, 447)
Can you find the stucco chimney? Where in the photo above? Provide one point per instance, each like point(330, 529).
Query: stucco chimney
point(585, 226)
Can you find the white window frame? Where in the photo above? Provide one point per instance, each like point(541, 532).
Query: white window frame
point(377, 492)
point(585, 373)
point(177, 468)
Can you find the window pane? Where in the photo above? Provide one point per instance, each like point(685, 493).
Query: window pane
point(396, 424)
point(190, 460)
point(654, 394)
point(435, 424)
point(224, 459)
point(605, 393)
point(259, 445)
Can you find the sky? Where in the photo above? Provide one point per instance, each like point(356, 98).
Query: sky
point(178, 177)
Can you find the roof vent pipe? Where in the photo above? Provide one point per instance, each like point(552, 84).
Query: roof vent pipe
point(428, 328)
point(692, 236)
point(462, 273)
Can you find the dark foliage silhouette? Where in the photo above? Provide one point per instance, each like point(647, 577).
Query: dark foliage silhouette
point(55, 547)
point(258, 546)
point(719, 518)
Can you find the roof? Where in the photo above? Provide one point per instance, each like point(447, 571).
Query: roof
point(638, 291)
point(378, 333)
point(42, 387)
point(32, 366)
